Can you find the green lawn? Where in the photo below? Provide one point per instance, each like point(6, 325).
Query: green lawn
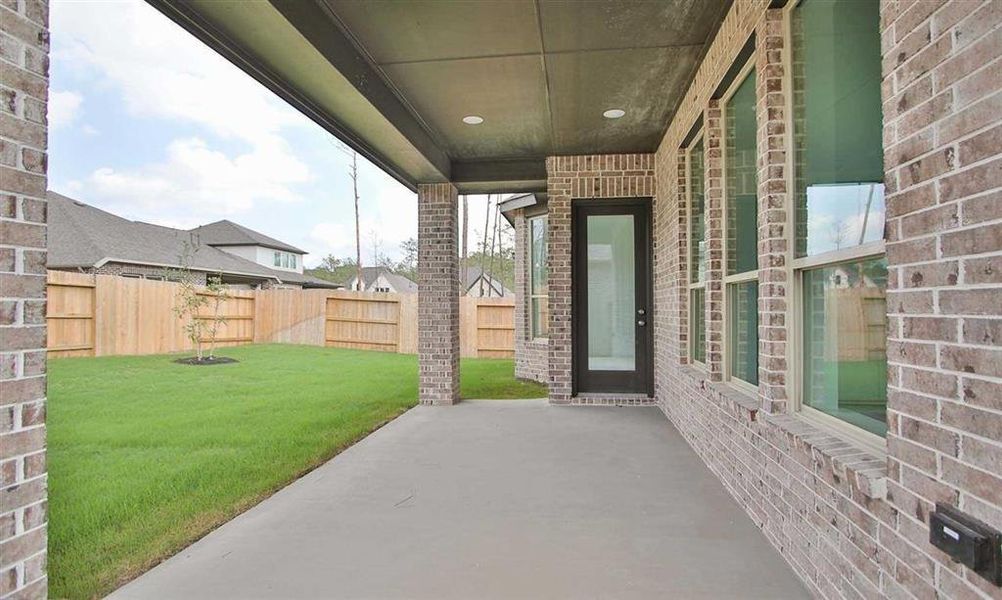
point(146, 455)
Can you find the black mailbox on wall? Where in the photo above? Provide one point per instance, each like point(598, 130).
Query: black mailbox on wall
point(967, 541)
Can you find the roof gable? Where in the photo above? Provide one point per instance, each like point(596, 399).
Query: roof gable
point(228, 233)
point(81, 235)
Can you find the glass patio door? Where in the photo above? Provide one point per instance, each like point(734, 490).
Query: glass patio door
point(611, 280)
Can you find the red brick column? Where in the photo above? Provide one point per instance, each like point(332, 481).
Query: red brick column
point(23, 137)
point(438, 294)
point(773, 231)
point(714, 203)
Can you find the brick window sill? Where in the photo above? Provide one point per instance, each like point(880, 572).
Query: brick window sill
point(739, 403)
point(846, 464)
point(843, 462)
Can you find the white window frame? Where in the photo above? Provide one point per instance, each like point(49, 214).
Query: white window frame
point(795, 272)
point(544, 217)
point(276, 261)
point(691, 284)
point(729, 280)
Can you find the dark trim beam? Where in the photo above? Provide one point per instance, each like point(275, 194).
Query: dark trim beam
point(498, 176)
point(315, 23)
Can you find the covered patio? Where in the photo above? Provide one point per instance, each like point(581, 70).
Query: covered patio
point(492, 499)
point(494, 96)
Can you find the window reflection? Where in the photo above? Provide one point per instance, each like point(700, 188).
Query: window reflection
point(845, 347)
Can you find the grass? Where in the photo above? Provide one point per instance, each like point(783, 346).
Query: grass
point(146, 456)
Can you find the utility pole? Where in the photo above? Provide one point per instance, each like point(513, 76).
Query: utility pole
point(465, 233)
point(494, 235)
point(483, 248)
point(358, 239)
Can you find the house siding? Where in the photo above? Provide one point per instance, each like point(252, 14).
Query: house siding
point(23, 147)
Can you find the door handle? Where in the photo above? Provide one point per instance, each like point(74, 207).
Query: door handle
point(641, 323)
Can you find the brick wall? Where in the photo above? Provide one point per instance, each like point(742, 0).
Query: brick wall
point(24, 45)
point(530, 355)
point(714, 202)
point(942, 91)
point(852, 522)
point(774, 288)
point(571, 178)
point(438, 294)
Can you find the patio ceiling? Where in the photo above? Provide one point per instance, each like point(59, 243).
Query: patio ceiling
point(395, 79)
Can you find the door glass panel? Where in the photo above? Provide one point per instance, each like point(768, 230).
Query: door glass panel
point(611, 293)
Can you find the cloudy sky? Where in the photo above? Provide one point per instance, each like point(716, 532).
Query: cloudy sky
point(148, 123)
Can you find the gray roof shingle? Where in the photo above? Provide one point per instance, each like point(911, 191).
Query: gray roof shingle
point(228, 233)
point(81, 235)
point(401, 284)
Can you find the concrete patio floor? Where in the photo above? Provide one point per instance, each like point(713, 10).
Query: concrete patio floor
point(491, 499)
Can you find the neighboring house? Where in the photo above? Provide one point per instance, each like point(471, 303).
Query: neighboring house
point(86, 239)
point(381, 279)
point(251, 245)
point(478, 283)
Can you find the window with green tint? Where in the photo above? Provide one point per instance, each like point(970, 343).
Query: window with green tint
point(697, 223)
point(838, 145)
point(538, 301)
point(741, 179)
point(743, 335)
point(697, 321)
point(844, 342)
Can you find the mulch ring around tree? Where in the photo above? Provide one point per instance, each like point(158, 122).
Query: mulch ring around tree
point(206, 361)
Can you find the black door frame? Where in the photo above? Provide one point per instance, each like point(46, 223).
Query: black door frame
point(642, 380)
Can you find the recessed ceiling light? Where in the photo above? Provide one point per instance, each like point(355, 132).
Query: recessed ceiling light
point(473, 120)
point(614, 113)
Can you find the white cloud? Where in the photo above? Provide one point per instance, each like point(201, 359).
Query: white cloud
point(161, 72)
point(64, 107)
point(391, 216)
point(199, 183)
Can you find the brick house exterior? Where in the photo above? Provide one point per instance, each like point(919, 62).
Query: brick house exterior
point(23, 143)
point(850, 519)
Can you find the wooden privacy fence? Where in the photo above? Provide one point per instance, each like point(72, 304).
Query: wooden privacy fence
point(101, 315)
